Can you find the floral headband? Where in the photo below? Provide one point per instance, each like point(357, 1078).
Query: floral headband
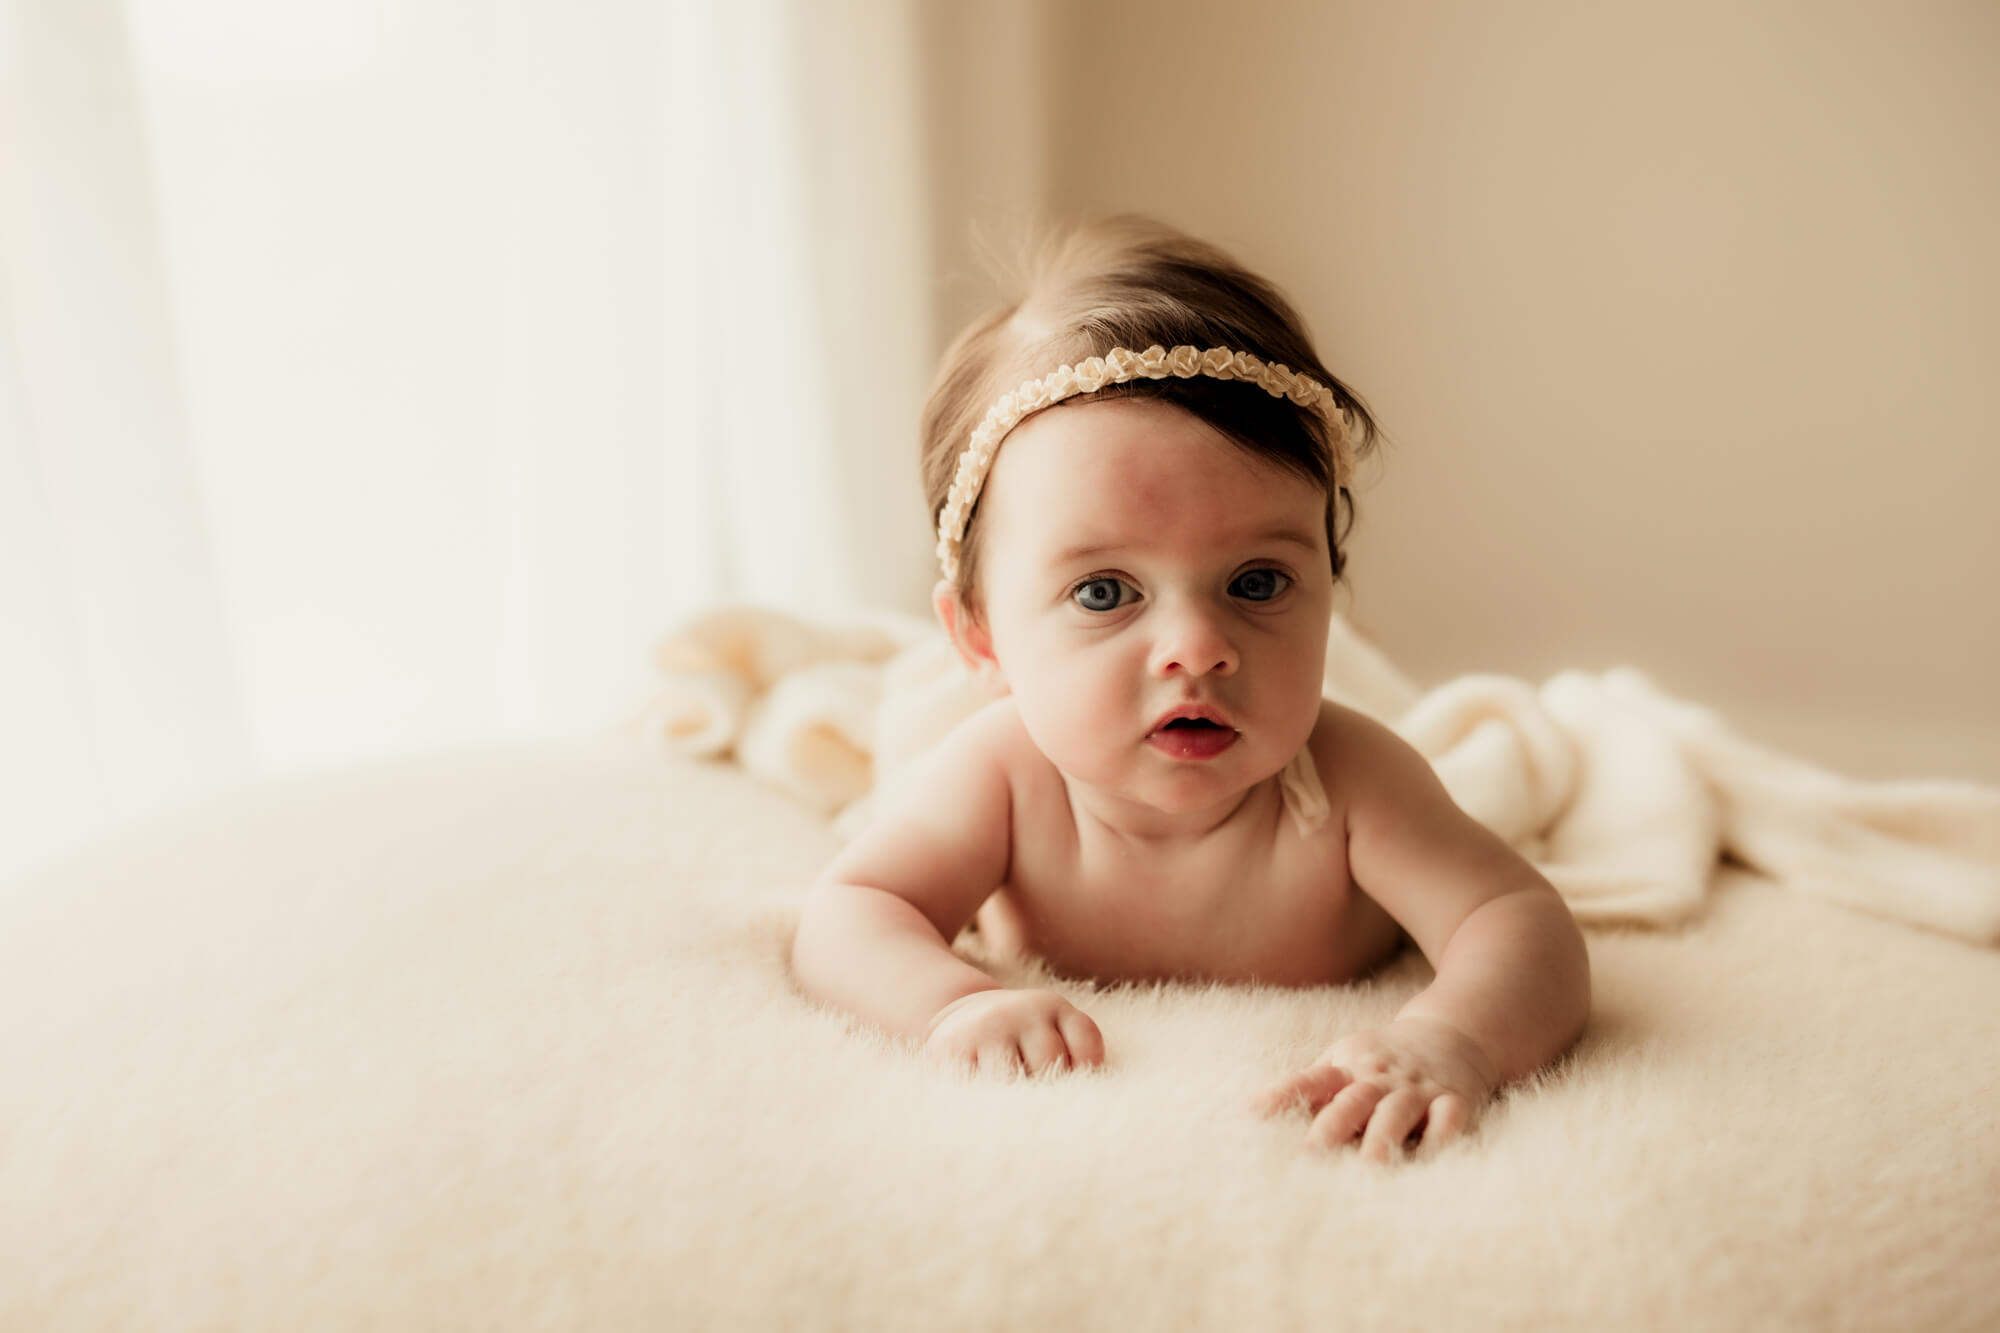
point(1115, 367)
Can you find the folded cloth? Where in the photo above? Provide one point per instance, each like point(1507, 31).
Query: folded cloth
point(717, 670)
point(812, 733)
point(1923, 851)
point(1624, 797)
point(1638, 837)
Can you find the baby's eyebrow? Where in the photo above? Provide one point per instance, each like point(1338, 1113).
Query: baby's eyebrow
point(1069, 554)
point(1296, 536)
point(1269, 536)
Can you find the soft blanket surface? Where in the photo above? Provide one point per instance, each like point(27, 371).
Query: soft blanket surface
point(504, 1040)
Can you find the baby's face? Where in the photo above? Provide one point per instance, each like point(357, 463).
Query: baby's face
point(1134, 564)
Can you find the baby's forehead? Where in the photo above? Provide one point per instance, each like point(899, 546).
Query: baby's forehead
point(1155, 478)
point(1129, 441)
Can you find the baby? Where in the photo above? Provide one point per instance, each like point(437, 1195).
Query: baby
point(1136, 472)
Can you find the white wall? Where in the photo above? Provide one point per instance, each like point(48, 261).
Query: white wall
point(1681, 319)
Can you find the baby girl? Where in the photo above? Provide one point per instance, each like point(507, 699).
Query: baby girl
point(1136, 472)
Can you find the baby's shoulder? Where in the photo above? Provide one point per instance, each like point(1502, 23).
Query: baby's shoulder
point(1350, 749)
point(987, 745)
point(995, 731)
point(1372, 775)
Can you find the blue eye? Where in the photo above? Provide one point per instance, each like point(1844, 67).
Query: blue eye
point(1100, 594)
point(1259, 585)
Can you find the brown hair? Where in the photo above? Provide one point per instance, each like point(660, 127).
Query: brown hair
point(1132, 282)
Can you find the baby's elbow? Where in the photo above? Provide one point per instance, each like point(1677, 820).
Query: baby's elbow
point(1578, 971)
point(1566, 957)
point(808, 944)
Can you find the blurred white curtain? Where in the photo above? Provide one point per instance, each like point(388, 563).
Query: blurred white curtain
point(379, 375)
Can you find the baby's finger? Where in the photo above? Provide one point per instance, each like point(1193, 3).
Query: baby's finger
point(1043, 1048)
point(998, 1057)
point(1080, 1034)
point(1310, 1091)
point(1450, 1114)
point(1395, 1116)
point(1341, 1122)
point(942, 1057)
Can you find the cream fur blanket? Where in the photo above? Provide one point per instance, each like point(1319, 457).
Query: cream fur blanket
point(1623, 796)
point(504, 1041)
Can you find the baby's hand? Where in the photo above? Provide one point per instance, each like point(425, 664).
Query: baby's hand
point(1412, 1076)
point(1022, 1031)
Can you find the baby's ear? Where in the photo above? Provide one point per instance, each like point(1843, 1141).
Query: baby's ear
point(970, 636)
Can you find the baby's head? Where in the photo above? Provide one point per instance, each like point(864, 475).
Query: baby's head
point(1151, 407)
point(1128, 282)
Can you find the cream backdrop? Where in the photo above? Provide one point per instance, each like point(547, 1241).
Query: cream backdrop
point(384, 376)
point(1681, 319)
point(378, 377)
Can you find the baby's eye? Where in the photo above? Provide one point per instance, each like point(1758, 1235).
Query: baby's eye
point(1259, 585)
point(1105, 594)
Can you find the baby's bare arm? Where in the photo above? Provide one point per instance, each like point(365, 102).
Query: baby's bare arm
point(1515, 978)
point(1511, 994)
point(871, 953)
point(874, 936)
point(1512, 972)
point(1512, 989)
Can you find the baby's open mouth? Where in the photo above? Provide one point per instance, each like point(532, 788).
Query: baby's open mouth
point(1192, 738)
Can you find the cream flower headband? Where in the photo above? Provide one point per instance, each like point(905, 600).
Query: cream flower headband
point(1115, 367)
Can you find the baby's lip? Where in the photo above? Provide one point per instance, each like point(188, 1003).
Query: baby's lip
point(1193, 710)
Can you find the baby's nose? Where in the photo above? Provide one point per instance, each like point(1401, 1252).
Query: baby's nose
point(1192, 643)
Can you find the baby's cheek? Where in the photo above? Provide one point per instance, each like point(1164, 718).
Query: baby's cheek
point(1304, 684)
point(1081, 720)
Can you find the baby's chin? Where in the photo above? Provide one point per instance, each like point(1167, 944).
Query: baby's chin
point(1169, 786)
